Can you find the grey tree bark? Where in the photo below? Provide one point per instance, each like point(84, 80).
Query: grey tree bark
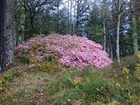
point(104, 11)
point(1, 34)
point(7, 35)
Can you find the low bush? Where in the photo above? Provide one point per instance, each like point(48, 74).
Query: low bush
point(7, 78)
point(24, 59)
point(70, 51)
point(87, 89)
point(46, 66)
point(137, 67)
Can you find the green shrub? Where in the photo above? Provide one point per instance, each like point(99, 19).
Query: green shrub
point(137, 67)
point(24, 60)
point(53, 66)
point(71, 88)
point(137, 72)
point(89, 88)
point(15, 73)
point(7, 78)
point(57, 91)
point(65, 82)
point(129, 61)
point(138, 57)
point(98, 90)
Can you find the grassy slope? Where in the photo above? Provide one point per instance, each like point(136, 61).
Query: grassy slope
point(33, 87)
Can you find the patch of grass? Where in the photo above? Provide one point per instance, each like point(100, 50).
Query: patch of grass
point(21, 89)
point(7, 78)
point(92, 86)
point(67, 97)
point(116, 85)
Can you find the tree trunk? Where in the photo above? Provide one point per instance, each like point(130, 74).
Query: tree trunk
point(1, 34)
point(77, 17)
point(7, 35)
point(71, 17)
point(58, 12)
point(120, 4)
point(134, 25)
point(104, 32)
point(118, 39)
point(135, 36)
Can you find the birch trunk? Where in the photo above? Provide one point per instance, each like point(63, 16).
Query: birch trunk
point(118, 39)
point(118, 32)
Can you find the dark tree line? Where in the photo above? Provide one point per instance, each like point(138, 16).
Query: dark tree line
point(115, 24)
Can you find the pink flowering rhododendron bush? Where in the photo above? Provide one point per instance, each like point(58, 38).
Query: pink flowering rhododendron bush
point(70, 51)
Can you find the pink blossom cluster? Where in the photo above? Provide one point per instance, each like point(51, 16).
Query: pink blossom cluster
point(71, 51)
